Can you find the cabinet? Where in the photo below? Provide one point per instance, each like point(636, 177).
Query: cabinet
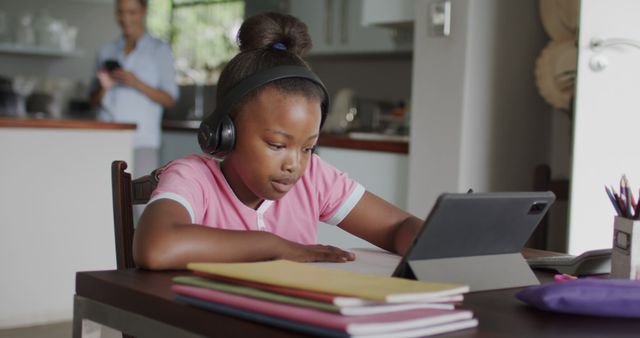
point(382, 173)
point(178, 144)
point(6, 48)
point(398, 13)
point(335, 26)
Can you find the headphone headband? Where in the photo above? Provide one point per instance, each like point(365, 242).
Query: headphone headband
point(260, 79)
point(217, 134)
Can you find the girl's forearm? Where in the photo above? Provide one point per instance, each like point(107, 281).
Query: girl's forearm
point(405, 233)
point(182, 244)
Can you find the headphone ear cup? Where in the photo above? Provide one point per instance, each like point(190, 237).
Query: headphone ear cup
point(217, 140)
point(207, 138)
point(226, 137)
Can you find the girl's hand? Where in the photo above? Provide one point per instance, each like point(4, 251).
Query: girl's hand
point(313, 253)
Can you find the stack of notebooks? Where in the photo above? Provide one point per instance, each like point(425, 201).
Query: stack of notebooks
point(323, 301)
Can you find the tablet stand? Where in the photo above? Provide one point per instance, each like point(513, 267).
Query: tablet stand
point(487, 272)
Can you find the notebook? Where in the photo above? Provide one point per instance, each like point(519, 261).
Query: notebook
point(476, 239)
point(297, 275)
point(285, 296)
point(395, 324)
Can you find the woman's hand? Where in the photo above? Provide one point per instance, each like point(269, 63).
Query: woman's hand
point(125, 77)
point(106, 82)
point(312, 253)
point(129, 79)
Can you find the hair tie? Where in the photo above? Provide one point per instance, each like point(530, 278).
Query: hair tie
point(279, 46)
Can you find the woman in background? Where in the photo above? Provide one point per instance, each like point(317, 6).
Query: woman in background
point(135, 80)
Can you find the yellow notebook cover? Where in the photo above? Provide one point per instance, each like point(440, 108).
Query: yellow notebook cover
point(339, 282)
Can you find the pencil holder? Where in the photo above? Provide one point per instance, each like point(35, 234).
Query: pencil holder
point(625, 256)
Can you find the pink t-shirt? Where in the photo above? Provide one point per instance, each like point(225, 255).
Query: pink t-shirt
point(322, 194)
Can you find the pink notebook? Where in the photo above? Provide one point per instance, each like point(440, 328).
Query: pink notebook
point(377, 323)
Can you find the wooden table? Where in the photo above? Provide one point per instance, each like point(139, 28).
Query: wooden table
point(140, 303)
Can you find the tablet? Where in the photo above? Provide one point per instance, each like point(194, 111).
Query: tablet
point(476, 239)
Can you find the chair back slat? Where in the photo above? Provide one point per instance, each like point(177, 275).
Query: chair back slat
point(125, 194)
point(142, 189)
point(122, 214)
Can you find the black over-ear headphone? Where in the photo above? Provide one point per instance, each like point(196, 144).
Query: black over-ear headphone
point(217, 134)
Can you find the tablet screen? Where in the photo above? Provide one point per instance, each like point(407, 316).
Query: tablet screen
point(476, 224)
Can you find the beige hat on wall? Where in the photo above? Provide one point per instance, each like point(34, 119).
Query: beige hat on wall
point(555, 72)
point(560, 18)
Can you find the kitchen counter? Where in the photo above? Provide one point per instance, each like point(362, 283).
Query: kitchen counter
point(56, 209)
point(326, 140)
point(372, 144)
point(13, 122)
point(180, 125)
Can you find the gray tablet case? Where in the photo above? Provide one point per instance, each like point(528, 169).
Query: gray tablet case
point(476, 239)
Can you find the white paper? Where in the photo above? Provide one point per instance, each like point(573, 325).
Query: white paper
point(368, 260)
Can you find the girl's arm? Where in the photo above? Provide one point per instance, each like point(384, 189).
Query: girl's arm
point(382, 224)
point(166, 239)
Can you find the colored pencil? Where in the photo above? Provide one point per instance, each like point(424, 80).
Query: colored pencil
point(627, 195)
point(613, 200)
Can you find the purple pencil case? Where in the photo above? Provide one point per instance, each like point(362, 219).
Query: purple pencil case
point(589, 296)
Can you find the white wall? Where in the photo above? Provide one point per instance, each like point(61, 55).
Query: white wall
point(96, 25)
point(436, 109)
point(477, 120)
point(606, 121)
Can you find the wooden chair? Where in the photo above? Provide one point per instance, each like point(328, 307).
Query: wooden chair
point(542, 182)
point(126, 194)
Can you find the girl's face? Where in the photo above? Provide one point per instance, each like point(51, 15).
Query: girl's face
point(131, 15)
point(276, 133)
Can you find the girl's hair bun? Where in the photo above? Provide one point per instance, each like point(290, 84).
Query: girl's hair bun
point(269, 29)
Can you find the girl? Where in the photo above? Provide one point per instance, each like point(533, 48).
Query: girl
point(264, 199)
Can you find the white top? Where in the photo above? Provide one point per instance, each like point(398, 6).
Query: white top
point(152, 62)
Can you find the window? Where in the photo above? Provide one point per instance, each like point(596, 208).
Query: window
point(202, 34)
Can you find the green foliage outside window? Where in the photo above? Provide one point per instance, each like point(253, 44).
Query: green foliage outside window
point(202, 34)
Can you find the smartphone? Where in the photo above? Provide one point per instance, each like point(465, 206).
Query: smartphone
point(111, 65)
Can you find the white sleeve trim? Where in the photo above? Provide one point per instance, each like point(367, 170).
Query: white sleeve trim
point(260, 213)
point(347, 206)
point(177, 198)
